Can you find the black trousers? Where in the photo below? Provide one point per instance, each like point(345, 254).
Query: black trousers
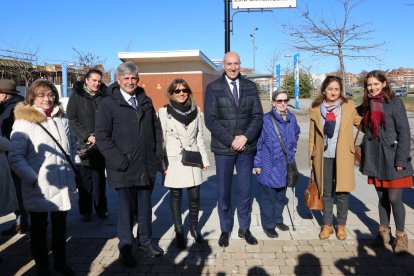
point(38, 238)
point(193, 206)
point(92, 192)
point(134, 202)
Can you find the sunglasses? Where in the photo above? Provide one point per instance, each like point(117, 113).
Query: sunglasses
point(282, 101)
point(178, 91)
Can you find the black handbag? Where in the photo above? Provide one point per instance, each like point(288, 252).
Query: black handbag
point(292, 169)
point(191, 158)
point(85, 150)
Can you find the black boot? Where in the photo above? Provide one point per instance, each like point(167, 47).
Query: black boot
point(180, 241)
point(195, 233)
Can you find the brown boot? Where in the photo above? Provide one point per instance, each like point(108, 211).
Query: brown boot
point(400, 242)
point(340, 232)
point(326, 231)
point(383, 237)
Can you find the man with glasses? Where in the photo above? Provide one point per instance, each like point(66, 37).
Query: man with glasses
point(81, 111)
point(9, 97)
point(233, 114)
point(129, 135)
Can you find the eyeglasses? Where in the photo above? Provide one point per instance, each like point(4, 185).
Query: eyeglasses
point(282, 101)
point(178, 91)
point(49, 96)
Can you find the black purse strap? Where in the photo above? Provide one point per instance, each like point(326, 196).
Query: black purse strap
point(60, 147)
point(279, 137)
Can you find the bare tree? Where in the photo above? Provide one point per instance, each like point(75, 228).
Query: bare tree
point(87, 60)
point(326, 37)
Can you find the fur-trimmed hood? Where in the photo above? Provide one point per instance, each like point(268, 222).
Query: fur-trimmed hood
point(33, 114)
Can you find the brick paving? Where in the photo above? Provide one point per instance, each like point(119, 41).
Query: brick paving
point(92, 247)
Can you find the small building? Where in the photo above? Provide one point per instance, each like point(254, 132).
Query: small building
point(159, 68)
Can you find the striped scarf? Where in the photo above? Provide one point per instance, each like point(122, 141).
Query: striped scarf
point(375, 116)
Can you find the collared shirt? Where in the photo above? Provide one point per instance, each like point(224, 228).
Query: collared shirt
point(127, 97)
point(231, 85)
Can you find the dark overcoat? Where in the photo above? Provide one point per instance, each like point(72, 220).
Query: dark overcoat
point(129, 139)
point(381, 155)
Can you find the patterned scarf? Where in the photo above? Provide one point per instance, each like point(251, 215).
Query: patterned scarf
point(184, 113)
point(375, 116)
point(329, 113)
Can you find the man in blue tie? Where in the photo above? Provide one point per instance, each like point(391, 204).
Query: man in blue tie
point(129, 136)
point(233, 114)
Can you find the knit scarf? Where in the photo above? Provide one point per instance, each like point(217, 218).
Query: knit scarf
point(87, 90)
point(184, 113)
point(329, 112)
point(375, 116)
point(48, 112)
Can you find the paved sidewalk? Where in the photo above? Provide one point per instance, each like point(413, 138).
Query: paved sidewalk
point(92, 247)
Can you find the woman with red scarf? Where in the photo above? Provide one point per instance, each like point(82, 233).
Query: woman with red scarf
point(331, 152)
point(386, 155)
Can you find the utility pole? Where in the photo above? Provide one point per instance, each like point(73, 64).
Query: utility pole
point(226, 26)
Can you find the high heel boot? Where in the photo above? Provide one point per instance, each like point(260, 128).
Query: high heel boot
point(180, 241)
point(194, 208)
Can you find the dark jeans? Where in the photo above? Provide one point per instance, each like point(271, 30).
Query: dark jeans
point(92, 192)
point(134, 202)
point(38, 238)
point(329, 190)
point(193, 205)
point(272, 202)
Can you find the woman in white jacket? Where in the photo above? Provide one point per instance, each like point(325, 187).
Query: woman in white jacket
point(46, 175)
point(182, 126)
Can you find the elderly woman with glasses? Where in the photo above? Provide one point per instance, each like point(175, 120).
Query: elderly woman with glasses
point(46, 174)
point(182, 127)
point(270, 162)
point(331, 152)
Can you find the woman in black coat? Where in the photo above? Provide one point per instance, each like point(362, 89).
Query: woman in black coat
point(386, 154)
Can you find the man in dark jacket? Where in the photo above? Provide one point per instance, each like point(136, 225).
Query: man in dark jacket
point(233, 114)
point(81, 111)
point(9, 97)
point(129, 135)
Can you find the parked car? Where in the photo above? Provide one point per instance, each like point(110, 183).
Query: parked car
point(401, 93)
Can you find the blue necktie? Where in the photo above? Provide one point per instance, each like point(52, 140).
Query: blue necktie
point(133, 102)
point(235, 94)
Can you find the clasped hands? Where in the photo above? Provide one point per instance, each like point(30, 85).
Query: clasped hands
point(239, 143)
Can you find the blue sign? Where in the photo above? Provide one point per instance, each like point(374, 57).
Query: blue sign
point(278, 77)
point(296, 77)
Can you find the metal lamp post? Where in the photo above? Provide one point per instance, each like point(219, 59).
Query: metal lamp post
point(253, 36)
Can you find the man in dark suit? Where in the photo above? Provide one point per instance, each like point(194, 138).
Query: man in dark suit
point(233, 114)
point(129, 136)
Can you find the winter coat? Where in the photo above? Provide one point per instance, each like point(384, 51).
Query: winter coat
point(345, 150)
point(129, 139)
point(8, 200)
point(81, 111)
point(270, 157)
point(7, 115)
point(391, 148)
point(177, 136)
point(225, 120)
point(46, 176)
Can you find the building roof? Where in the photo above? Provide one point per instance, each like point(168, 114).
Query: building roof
point(167, 56)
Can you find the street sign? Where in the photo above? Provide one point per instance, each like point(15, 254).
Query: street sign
point(260, 4)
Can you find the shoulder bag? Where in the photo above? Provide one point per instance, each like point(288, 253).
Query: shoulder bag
point(189, 158)
point(311, 196)
point(292, 169)
point(78, 176)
